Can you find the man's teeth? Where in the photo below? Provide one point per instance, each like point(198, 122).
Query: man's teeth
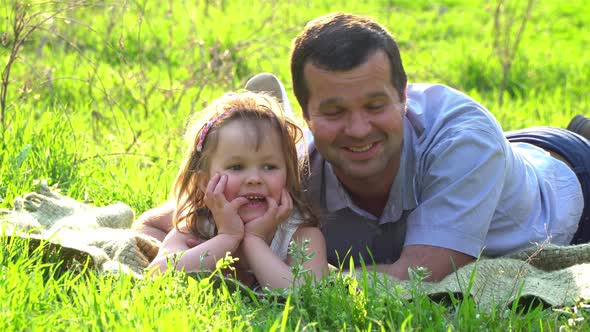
point(252, 197)
point(360, 148)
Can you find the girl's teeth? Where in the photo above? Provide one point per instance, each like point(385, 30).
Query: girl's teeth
point(360, 149)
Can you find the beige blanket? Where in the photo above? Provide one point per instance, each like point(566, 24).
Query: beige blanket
point(554, 276)
point(81, 231)
point(557, 276)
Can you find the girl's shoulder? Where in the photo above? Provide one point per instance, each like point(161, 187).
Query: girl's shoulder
point(284, 234)
point(294, 220)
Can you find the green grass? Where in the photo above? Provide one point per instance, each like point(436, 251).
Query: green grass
point(38, 295)
point(97, 102)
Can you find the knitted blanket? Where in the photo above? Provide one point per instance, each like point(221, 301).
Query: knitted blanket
point(556, 276)
point(101, 236)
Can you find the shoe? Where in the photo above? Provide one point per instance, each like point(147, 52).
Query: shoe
point(267, 82)
point(580, 125)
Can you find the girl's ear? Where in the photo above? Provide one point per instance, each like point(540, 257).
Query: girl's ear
point(203, 180)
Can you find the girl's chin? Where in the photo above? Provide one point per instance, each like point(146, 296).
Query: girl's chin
point(247, 217)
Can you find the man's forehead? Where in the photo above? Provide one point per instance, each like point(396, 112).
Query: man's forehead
point(368, 81)
point(376, 67)
point(377, 58)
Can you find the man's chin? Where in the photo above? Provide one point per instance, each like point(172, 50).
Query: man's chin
point(358, 171)
point(362, 170)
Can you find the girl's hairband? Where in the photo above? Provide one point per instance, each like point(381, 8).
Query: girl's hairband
point(210, 124)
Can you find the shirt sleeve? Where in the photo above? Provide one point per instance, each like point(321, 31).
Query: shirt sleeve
point(459, 184)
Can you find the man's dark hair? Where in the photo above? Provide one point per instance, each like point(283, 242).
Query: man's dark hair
point(341, 42)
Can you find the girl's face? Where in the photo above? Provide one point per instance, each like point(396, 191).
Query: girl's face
point(252, 173)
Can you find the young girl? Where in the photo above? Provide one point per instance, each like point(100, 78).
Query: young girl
point(239, 191)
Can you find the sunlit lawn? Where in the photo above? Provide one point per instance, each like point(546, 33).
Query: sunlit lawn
point(98, 96)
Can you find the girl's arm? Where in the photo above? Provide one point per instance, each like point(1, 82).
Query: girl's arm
point(271, 271)
point(175, 249)
point(230, 228)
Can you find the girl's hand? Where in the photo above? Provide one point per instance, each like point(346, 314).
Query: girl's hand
point(265, 227)
point(225, 213)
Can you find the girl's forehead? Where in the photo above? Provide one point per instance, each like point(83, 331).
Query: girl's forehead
point(250, 134)
point(249, 126)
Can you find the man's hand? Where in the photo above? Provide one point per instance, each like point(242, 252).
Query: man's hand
point(156, 222)
point(225, 213)
point(439, 262)
point(265, 226)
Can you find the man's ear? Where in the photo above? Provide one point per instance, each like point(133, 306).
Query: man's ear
point(308, 122)
point(305, 114)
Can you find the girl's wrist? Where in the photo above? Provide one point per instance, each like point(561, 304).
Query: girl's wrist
point(233, 240)
point(252, 237)
point(267, 238)
point(238, 233)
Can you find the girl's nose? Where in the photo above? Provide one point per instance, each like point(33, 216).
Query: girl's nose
point(253, 178)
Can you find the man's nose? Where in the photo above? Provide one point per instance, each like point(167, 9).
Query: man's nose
point(357, 124)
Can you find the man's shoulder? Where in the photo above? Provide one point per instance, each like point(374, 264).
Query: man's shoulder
point(437, 96)
point(432, 88)
point(435, 109)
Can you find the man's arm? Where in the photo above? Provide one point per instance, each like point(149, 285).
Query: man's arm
point(462, 179)
point(156, 222)
point(440, 262)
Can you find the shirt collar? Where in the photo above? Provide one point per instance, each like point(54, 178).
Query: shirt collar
point(336, 196)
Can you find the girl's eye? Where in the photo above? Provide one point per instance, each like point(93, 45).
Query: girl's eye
point(269, 167)
point(236, 167)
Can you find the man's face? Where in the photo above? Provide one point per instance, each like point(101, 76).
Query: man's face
point(356, 119)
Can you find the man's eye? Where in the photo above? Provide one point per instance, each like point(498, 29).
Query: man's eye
point(375, 106)
point(333, 112)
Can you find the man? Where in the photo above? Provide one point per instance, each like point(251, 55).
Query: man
point(422, 175)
